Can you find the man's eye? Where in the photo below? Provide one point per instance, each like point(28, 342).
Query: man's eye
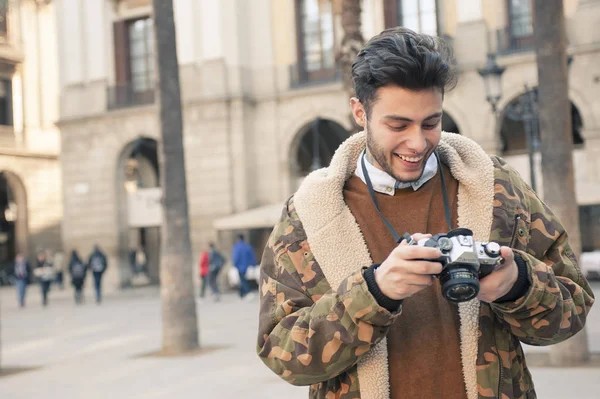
point(397, 128)
point(430, 126)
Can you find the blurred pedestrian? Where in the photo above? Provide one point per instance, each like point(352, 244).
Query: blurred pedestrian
point(216, 260)
point(78, 270)
point(59, 268)
point(44, 271)
point(22, 276)
point(131, 257)
point(141, 261)
point(243, 257)
point(97, 262)
point(203, 272)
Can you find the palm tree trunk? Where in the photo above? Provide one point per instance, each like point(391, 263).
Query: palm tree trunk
point(352, 43)
point(557, 144)
point(180, 326)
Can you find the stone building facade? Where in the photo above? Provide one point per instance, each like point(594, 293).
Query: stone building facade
point(30, 178)
point(259, 85)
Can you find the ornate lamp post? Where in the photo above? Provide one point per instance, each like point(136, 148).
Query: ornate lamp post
point(525, 110)
point(492, 80)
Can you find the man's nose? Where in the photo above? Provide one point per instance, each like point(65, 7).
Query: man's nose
point(416, 141)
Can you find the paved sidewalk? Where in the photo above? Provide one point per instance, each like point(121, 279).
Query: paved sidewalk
point(95, 351)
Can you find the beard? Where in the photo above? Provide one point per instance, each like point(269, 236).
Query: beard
point(378, 154)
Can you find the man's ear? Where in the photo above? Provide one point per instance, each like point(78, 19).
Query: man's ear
point(358, 111)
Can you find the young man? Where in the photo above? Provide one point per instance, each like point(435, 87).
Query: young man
point(352, 313)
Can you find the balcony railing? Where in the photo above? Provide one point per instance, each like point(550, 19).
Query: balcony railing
point(123, 96)
point(512, 40)
point(300, 77)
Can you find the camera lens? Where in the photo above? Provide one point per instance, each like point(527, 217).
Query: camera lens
point(459, 284)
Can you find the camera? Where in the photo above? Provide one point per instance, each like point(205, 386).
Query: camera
point(464, 262)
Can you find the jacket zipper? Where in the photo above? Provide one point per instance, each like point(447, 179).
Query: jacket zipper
point(514, 233)
point(512, 244)
point(501, 376)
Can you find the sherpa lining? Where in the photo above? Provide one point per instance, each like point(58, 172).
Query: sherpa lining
point(339, 246)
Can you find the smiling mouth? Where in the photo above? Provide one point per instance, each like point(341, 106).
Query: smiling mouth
point(410, 159)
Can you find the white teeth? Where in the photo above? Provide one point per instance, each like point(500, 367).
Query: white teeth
point(410, 159)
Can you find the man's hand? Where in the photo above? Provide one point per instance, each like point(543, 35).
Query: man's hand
point(501, 280)
point(401, 276)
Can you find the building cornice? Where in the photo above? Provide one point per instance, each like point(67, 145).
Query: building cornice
point(9, 152)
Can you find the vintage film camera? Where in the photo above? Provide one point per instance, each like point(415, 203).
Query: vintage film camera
point(464, 262)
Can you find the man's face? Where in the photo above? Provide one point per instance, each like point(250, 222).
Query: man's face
point(403, 130)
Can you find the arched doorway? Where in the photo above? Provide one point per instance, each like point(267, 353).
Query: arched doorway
point(513, 131)
point(14, 237)
point(139, 210)
point(314, 147)
point(448, 124)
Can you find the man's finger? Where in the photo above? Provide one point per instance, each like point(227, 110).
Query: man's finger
point(420, 236)
point(415, 237)
point(507, 255)
point(415, 252)
point(505, 252)
point(420, 267)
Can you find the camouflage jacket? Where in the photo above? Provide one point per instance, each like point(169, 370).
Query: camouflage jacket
point(320, 326)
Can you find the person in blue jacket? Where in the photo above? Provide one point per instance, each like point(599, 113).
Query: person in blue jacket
point(243, 257)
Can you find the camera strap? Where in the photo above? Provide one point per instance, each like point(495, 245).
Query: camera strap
point(387, 223)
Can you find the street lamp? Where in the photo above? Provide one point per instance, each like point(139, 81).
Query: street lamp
point(492, 80)
point(525, 110)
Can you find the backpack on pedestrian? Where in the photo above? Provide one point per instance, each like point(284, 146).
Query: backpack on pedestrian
point(97, 264)
point(78, 271)
point(216, 261)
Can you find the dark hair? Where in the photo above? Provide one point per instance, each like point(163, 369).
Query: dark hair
point(401, 57)
point(241, 237)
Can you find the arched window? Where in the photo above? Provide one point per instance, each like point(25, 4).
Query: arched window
point(448, 124)
point(13, 219)
point(317, 144)
point(513, 132)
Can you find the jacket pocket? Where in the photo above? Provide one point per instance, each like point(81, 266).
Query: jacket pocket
point(520, 234)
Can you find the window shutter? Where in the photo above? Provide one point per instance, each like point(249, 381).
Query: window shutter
point(301, 67)
point(390, 13)
point(122, 70)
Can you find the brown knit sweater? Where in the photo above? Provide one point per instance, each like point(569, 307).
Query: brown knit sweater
point(423, 343)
